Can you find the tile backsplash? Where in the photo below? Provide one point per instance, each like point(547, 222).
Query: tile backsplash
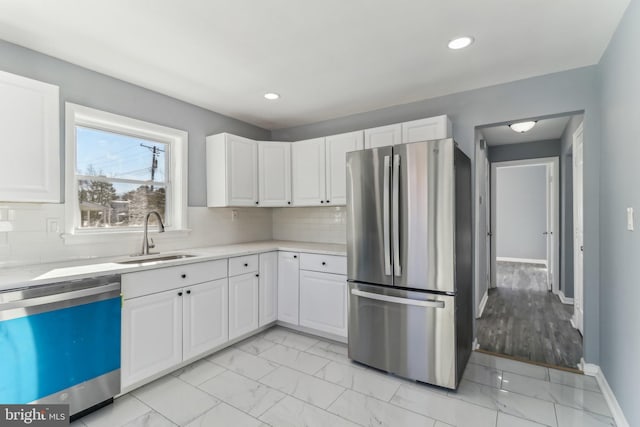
point(313, 224)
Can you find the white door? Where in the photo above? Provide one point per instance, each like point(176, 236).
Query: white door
point(308, 172)
point(383, 136)
point(268, 288)
point(151, 335)
point(242, 171)
point(288, 280)
point(274, 171)
point(337, 147)
point(487, 218)
point(243, 304)
point(205, 317)
point(323, 302)
point(578, 233)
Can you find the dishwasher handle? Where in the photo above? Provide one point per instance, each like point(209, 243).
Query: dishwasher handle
point(113, 289)
point(398, 300)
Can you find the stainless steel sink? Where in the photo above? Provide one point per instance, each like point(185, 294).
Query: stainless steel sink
point(154, 258)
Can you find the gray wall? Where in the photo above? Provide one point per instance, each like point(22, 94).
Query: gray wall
point(527, 150)
point(620, 250)
point(566, 205)
point(82, 86)
point(534, 98)
point(521, 212)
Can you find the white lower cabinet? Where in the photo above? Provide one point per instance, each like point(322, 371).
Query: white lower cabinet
point(151, 335)
point(268, 293)
point(323, 302)
point(205, 314)
point(288, 279)
point(243, 304)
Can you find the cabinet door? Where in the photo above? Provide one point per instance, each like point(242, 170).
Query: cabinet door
point(288, 278)
point(242, 171)
point(323, 302)
point(30, 148)
point(426, 129)
point(243, 304)
point(383, 136)
point(308, 167)
point(268, 288)
point(274, 167)
point(205, 317)
point(337, 147)
point(151, 335)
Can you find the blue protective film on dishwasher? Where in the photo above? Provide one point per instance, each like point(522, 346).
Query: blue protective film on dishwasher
point(45, 353)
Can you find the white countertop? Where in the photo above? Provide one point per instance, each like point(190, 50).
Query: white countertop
point(38, 274)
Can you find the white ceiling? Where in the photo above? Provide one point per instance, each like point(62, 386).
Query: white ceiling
point(543, 130)
point(326, 58)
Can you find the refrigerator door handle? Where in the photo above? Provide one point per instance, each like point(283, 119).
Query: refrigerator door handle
point(398, 300)
point(385, 213)
point(396, 215)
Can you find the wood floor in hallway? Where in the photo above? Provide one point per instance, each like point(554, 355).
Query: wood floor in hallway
point(523, 319)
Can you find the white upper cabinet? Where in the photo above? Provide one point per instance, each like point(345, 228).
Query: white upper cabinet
point(383, 136)
point(308, 166)
point(438, 127)
point(29, 140)
point(337, 147)
point(232, 171)
point(274, 177)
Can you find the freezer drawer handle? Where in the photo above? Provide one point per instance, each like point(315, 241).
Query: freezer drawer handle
point(385, 219)
point(398, 300)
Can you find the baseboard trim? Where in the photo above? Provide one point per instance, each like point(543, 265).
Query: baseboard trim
point(614, 407)
point(483, 303)
point(564, 299)
point(475, 345)
point(522, 260)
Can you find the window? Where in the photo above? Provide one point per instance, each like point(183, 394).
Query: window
point(119, 169)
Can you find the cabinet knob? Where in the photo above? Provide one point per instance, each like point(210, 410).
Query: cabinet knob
point(184, 276)
point(288, 203)
point(295, 256)
point(327, 201)
point(257, 275)
point(189, 291)
point(246, 265)
point(256, 202)
point(179, 294)
point(321, 201)
point(324, 263)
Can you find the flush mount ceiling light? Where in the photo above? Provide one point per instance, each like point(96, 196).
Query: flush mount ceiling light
point(460, 42)
point(522, 127)
point(271, 96)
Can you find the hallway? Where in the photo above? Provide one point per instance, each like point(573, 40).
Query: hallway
point(524, 320)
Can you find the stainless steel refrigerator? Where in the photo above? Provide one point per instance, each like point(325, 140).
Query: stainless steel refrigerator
point(409, 255)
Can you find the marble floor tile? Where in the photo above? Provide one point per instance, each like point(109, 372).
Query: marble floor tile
point(178, 401)
point(507, 402)
point(506, 420)
point(571, 417)
point(574, 380)
point(198, 372)
point(243, 393)
point(337, 352)
point(254, 345)
point(243, 363)
point(443, 408)
point(150, 419)
point(368, 411)
point(305, 387)
point(483, 375)
point(509, 365)
point(556, 393)
point(223, 415)
point(366, 381)
point(291, 412)
point(295, 359)
point(288, 338)
point(124, 409)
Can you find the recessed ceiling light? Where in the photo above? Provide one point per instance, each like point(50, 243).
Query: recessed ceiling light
point(522, 127)
point(460, 42)
point(271, 96)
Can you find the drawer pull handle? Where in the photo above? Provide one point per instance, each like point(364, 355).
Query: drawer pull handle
point(188, 292)
point(295, 256)
point(324, 263)
point(184, 276)
point(257, 275)
point(179, 294)
point(246, 265)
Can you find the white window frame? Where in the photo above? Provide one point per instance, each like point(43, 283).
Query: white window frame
point(176, 198)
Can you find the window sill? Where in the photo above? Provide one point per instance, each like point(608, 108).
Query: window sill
point(82, 238)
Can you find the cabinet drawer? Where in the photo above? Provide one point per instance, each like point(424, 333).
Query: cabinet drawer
point(243, 264)
point(325, 263)
point(162, 279)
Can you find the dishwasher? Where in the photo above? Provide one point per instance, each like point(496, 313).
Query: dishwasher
point(60, 343)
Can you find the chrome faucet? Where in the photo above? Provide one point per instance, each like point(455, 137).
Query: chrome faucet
point(145, 239)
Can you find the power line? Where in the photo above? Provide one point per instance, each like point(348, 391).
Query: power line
point(155, 151)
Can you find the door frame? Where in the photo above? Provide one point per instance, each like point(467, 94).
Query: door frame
point(554, 164)
point(577, 320)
